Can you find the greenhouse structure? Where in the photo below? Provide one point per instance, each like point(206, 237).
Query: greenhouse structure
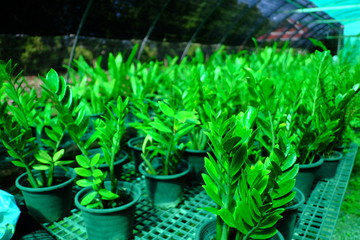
point(180, 120)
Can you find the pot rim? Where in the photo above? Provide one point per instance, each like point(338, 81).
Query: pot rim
point(134, 191)
point(300, 198)
point(70, 173)
point(165, 177)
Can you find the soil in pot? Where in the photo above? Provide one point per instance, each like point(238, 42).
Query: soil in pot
point(49, 204)
point(111, 223)
point(166, 191)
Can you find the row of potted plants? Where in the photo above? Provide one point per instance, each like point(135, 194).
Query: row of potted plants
point(179, 109)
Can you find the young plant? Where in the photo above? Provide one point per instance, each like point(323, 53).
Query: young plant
point(19, 137)
point(166, 132)
point(109, 132)
point(249, 191)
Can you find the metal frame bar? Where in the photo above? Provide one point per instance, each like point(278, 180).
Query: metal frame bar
point(255, 29)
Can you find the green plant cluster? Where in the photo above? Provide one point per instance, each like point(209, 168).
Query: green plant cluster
point(260, 113)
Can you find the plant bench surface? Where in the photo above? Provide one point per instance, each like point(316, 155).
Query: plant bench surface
point(317, 217)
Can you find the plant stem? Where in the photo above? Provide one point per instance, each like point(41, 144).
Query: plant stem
point(50, 175)
point(32, 180)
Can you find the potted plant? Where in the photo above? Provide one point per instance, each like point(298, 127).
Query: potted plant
point(46, 184)
point(164, 170)
point(250, 190)
point(336, 111)
point(106, 204)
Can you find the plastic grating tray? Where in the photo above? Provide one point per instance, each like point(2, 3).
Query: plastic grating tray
point(317, 217)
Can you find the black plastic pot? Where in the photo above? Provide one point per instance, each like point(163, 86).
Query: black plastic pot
point(48, 204)
point(207, 231)
point(329, 167)
point(135, 150)
point(306, 176)
point(113, 223)
point(287, 224)
point(196, 161)
point(166, 191)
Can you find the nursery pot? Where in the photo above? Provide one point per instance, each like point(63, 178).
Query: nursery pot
point(166, 191)
point(306, 176)
point(207, 231)
point(196, 161)
point(135, 150)
point(118, 164)
point(112, 223)
point(48, 204)
point(329, 167)
point(287, 224)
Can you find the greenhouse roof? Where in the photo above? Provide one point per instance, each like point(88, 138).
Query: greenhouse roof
point(229, 22)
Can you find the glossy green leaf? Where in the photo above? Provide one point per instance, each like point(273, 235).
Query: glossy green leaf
point(230, 143)
point(58, 155)
point(43, 157)
point(264, 233)
point(282, 201)
point(84, 183)
point(40, 167)
point(88, 198)
point(83, 172)
point(227, 217)
point(52, 80)
point(18, 163)
point(95, 160)
point(160, 126)
point(82, 161)
point(107, 195)
point(166, 109)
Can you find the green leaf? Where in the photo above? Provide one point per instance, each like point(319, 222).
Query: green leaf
point(264, 233)
point(107, 195)
point(95, 160)
point(211, 189)
point(270, 221)
point(52, 80)
point(53, 135)
point(227, 217)
point(281, 202)
point(18, 163)
point(250, 117)
point(166, 109)
point(58, 155)
point(43, 157)
point(84, 183)
point(63, 162)
point(210, 209)
point(40, 167)
point(289, 162)
point(160, 126)
point(97, 173)
point(82, 161)
point(83, 172)
point(88, 198)
point(184, 116)
point(230, 143)
point(243, 211)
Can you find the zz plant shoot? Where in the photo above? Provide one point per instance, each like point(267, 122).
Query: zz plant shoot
point(249, 190)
